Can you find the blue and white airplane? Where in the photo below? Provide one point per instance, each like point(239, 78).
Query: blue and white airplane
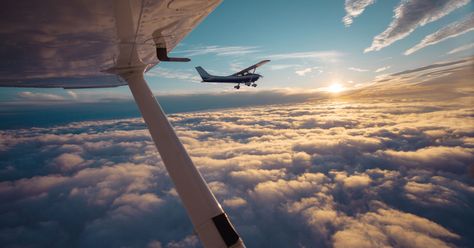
point(242, 77)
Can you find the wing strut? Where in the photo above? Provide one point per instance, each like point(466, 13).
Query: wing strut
point(210, 221)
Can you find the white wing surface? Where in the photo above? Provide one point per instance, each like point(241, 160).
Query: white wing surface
point(72, 44)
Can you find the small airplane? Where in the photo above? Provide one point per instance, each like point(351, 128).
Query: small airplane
point(242, 77)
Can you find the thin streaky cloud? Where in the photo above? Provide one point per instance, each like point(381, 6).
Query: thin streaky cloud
point(410, 15)
point(308, 55)
point(354, 8)
point(357, 69)
point(303, 71)
point(462, 48)
point(219, 50)
point(450, 31)
point(36, 96)
point(381, 69)
point(275, 67)
point(173, 74)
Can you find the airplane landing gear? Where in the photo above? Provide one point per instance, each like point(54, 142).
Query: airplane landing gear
point(254, 85)
point(237, 87)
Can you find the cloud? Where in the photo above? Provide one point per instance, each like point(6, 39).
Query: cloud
point(357, 69)
point(307, 70)
point(36, 96)
point(68, 161)
point(450, 31)
point(354, 8)
point(383, 68)
point(327, 173)
point(462, 48)
point(275, 67)
point(427, 81)
point(319, 55)
point(218, 50)
point(410, 15)
point(72, 94)
point(303, 71)
point(174, 74)
point(389, 227)
point(355, 181)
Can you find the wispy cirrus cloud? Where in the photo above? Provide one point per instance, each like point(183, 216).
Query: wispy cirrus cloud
point(304, 71)
point(381, 69)
point(357, 69)
point(37, 96)
point(320, 55)
point(410, 15)
point(354, 8)
point(173, 74)
point(275, 67)
point(450, 31)
point(462, 48)
point(219, 50)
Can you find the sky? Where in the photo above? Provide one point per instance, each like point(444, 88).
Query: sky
point(385, 159)
point(310, 45)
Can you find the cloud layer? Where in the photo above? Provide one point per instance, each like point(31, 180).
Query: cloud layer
point(410, 15)
point(387, 172)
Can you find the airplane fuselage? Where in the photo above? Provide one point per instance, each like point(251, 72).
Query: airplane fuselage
point(249, 78)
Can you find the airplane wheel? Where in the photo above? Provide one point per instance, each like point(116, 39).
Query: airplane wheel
point(254, 85)
point(237, 87)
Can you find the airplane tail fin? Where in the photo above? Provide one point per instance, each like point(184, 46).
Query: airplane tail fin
point(203, 73)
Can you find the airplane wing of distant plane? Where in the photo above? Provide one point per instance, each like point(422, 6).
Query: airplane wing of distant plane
point(109, 43)
point(248, 69)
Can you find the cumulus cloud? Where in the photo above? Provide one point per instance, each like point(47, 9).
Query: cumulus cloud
point(389, 227)
point(354, 8)
point(450, 31)
point(327, 173)
point(411, 14)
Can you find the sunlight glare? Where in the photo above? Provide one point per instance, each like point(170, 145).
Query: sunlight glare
point(335, 88)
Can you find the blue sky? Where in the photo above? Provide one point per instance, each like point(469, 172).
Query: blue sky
point(243, 32)
point(273, 28)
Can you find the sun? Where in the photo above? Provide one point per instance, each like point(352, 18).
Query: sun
point(335, 88)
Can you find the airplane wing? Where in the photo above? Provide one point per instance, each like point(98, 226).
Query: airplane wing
point(244, 71)
point(74, 44)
